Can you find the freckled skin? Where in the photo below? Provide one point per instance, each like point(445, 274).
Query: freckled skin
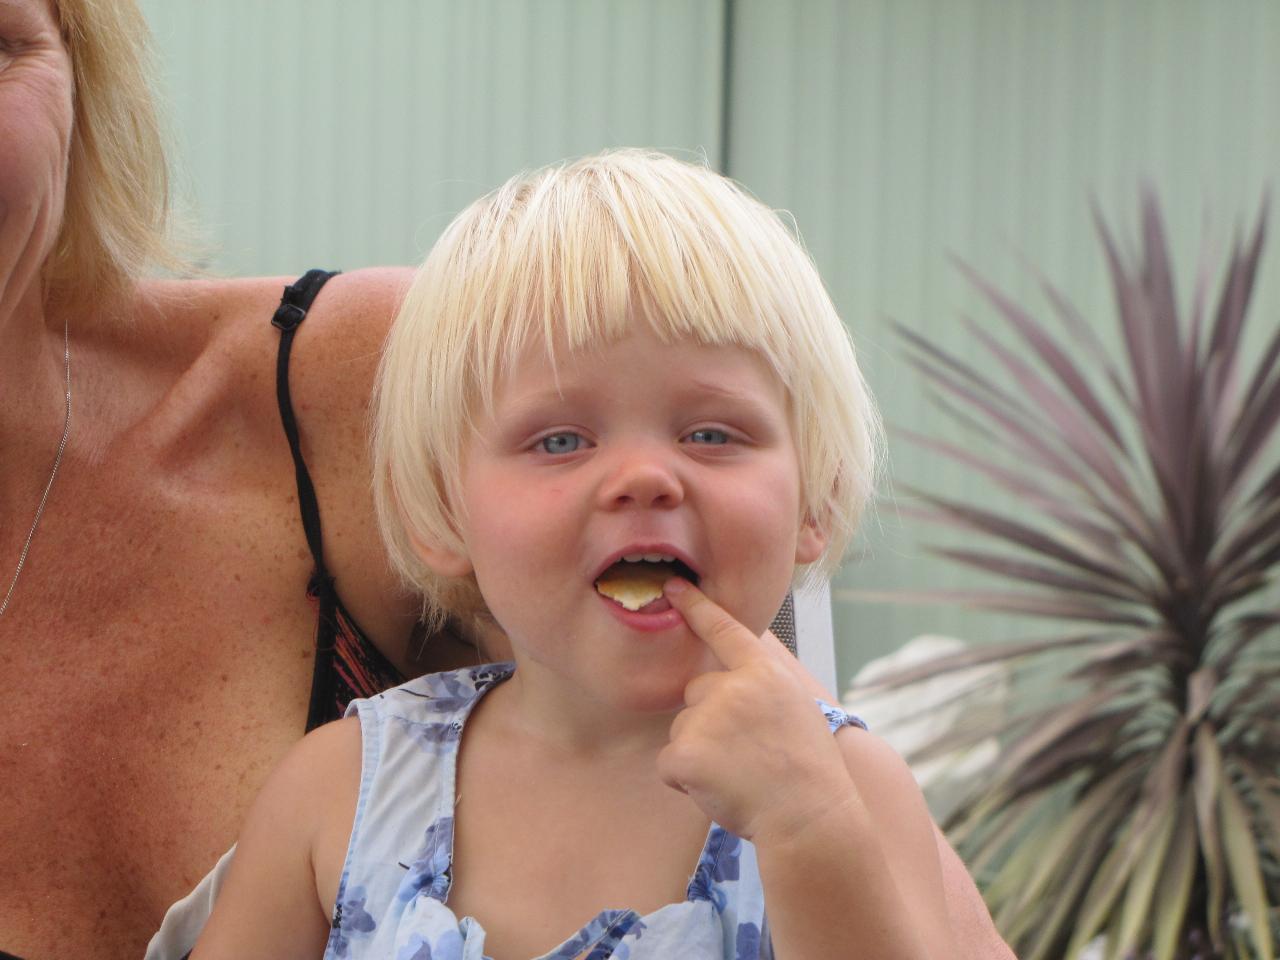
point(166, 653)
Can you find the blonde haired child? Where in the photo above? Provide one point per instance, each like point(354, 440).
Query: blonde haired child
point(613, 373)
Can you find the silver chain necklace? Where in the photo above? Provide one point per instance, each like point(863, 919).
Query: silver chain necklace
point(57, 462)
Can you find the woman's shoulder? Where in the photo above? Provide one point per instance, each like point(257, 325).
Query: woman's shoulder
point(349, 317)
point(219, 333)
point(332, 367)
point(335, 351)
point(223, 327)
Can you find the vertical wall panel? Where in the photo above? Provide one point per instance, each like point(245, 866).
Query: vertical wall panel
point(901, 131)
point(318, 131)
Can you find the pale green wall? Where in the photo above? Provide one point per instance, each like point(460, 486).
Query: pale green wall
point(349, 133)
point(317, 132)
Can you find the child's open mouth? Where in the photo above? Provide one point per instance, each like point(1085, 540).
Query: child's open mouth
point(635, 582)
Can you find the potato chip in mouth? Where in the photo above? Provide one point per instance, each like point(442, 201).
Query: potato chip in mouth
point(633, 585)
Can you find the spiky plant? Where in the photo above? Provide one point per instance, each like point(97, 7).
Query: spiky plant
point(1142, 800)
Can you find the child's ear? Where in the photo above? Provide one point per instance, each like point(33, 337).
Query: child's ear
point(812, 540)
point(442, 560)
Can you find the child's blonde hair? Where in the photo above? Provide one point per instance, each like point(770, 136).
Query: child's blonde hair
point(570, 256)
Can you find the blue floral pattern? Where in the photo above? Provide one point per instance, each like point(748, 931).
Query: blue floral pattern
point(447, 946)
point(393, 894)
point(747, 942)
point(429, 871)
point(350, 920)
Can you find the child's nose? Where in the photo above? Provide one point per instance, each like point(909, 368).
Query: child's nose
point(642, 478)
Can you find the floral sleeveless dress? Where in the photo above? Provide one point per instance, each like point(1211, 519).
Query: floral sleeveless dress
point(392, 897)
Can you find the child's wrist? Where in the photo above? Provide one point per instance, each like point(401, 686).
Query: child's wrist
point(813, 818)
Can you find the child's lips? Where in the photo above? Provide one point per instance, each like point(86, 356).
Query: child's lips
point(656, 616)
point(661, 605)
point(629, 560)
point(633, 590)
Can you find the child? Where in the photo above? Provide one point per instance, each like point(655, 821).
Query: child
point(617, 415)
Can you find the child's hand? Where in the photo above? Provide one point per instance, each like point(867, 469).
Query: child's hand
point(750, 747)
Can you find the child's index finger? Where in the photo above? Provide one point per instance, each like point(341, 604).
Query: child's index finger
point(731, 642)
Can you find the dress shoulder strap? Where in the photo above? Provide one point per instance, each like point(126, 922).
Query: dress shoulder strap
point(293, 308)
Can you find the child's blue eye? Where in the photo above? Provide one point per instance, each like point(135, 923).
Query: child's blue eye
point(707, 435)
point(561, 443)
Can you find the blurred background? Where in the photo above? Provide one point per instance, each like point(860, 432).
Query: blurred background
point(898, 133)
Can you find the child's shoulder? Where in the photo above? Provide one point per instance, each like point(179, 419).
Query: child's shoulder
point(434, 694)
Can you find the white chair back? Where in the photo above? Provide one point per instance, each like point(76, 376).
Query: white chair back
point(804, 626)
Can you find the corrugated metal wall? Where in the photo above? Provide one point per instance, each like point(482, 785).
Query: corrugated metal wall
point(901, 133)
point(897, 131)
point(321, 131)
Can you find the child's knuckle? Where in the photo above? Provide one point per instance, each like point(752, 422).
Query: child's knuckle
point(682, 755)
point(725, 626)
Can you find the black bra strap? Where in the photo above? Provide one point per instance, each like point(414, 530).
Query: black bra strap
point(292, 311)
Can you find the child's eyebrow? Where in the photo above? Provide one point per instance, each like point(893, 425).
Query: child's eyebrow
point(698, 387)
point(692, 390)
point(542, 398)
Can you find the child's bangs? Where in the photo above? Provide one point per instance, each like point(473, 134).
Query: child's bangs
point(586, 256)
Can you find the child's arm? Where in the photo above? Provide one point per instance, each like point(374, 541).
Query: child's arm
point(270, 906)
point(842, 834)
point(974, 935)
point(863, 873)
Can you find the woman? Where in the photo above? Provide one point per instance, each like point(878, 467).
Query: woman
point(156, 618)
point(161, 611)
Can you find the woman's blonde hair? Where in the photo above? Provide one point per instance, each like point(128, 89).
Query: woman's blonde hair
point(115, 222)
point(569, 256)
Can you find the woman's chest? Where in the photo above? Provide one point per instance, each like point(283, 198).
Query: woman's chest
point(138, 559)
point(153, 677)
point(122, 788)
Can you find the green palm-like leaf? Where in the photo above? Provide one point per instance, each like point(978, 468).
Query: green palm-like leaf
point(1245, 869)
point(1143, 803)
